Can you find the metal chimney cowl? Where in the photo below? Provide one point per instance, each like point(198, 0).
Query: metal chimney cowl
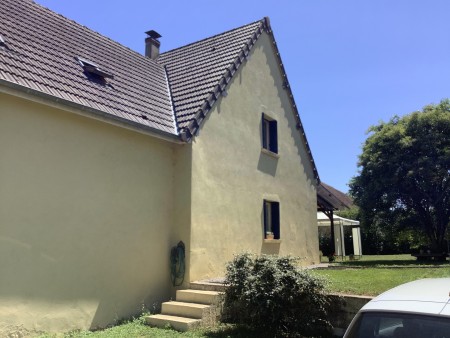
point(152, 44)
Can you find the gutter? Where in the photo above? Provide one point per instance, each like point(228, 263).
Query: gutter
point(76, 108)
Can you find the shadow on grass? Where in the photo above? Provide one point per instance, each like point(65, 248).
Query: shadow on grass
point(237, 331)
point(394, 263)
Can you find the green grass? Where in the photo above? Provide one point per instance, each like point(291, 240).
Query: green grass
point(373, 275)
point(370, 275)
point(377, 258)
point(137, 329)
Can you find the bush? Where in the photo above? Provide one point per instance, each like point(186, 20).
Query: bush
point(270, 293)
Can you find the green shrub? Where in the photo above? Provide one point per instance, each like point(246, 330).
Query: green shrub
point(270, 293)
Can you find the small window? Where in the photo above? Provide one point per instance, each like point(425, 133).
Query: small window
point(271, 220)
point(269, 134)
point(92, 68)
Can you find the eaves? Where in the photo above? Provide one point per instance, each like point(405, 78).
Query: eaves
point(50, 100)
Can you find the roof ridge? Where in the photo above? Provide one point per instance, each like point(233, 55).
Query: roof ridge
point(83, 27)
point(189, 131)
point(212, 37)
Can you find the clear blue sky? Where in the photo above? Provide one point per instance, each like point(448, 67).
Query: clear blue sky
point(351, 63)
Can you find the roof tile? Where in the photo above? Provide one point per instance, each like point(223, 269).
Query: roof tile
point(171, 94)
point(41, 55)
point(196, 69)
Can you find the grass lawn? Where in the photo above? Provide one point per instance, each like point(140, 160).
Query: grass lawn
point(370, 275)
point(137, 329)
point(374, 274)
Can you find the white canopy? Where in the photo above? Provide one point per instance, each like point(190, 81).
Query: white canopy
point(339, 223)
point(323, 220)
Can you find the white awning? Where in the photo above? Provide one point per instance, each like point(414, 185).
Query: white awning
point(339, 233)
point(323, 220)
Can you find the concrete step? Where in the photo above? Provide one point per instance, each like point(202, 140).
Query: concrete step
point(182, 309)
point(178, 323)
point(206, 286)
point(192, 309)
point(199, 296)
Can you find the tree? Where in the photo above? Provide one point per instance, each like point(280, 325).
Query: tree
point(404, 174)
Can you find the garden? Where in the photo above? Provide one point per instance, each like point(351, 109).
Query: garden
point(255, 277)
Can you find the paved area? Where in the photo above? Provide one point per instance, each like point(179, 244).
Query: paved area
point(318, 266)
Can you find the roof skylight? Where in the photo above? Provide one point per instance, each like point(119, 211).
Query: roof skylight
point(92, 68)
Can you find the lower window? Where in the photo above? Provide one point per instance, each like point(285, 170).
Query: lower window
point(271, 220)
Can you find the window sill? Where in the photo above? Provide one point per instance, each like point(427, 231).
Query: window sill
point(272, 241)
point(270, 153)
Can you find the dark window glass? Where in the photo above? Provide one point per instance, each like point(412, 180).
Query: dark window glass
point(269, 134)
point(395, 325)
point(271, 219)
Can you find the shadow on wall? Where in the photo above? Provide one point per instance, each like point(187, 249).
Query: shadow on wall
point(268, 248)
point(267, 164)
point(288, 111)
point(66, 282)
point(85, 219)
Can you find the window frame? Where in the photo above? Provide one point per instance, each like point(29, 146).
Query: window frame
point(271, 219)
point(269, 134)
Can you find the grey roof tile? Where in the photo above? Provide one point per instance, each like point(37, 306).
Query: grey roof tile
point(41, 52)
point(171, 94)
point(199, 72)
point(194, 71)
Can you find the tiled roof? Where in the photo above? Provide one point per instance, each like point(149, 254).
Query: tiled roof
point(40, 53)
point(43, 53)
point(202, 69)
point(199, 72)
point(331, 198)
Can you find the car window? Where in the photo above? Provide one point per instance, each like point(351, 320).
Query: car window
point(394, 325)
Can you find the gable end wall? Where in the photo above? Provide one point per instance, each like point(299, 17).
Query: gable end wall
point(231, 176)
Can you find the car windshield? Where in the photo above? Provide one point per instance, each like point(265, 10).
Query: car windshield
point(394, 325)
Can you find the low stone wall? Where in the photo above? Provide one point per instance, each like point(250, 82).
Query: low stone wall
point(344, 309)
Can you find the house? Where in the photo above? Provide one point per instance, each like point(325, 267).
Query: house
point(110, 158)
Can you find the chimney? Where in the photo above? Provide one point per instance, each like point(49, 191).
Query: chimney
point(152, 44)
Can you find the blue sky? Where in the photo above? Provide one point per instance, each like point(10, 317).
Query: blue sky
point(350, 63)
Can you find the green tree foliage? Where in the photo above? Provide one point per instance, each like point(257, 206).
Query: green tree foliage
point(271, 294)
point(381, 235)
point(404, 177)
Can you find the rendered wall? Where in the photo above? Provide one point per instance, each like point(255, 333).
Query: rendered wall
point(231, 175)
point(86, 211)
point(182, 211)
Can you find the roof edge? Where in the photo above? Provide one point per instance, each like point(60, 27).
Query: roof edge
point(72, 107)
point(331, 198)
point(287, 87)
point(207, 38)
point(188, 132)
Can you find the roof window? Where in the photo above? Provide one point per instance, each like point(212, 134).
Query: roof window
point(2, 41)
point(94, 69)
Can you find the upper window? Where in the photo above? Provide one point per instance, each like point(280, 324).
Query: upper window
point(271, 220)
point(269, 134)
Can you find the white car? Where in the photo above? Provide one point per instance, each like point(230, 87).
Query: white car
point(419, 309)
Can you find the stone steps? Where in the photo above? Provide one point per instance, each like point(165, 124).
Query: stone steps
point(183, 309)
point(197, 296)
point(177, 323)
point(192, 309)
